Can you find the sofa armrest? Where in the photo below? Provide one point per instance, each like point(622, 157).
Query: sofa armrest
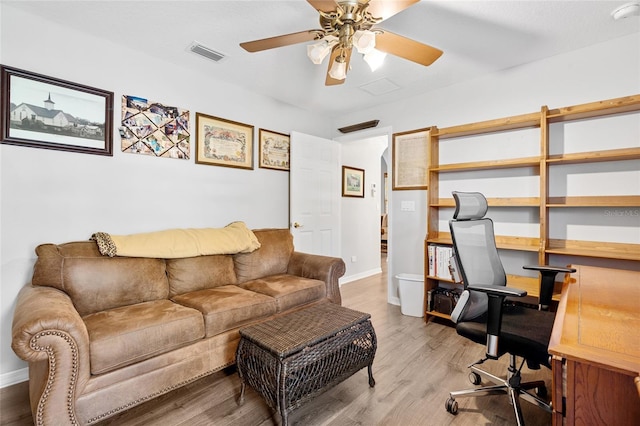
point(324, 268)
point(48, 332)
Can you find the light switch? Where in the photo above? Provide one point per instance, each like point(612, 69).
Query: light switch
point(408, 206)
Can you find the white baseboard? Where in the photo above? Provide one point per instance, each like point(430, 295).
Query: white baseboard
point(13, 377)
point(360, 276)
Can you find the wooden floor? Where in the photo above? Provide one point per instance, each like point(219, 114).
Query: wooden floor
point(415, 367)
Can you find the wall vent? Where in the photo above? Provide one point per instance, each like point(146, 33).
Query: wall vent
point(206, 52)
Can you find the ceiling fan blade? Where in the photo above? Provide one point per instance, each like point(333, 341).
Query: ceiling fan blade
point(330, 81)
point(385, 9)
point(279, 41)
point(407, 48)
point(323, 5)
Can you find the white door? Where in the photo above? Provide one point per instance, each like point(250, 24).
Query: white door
point(314, 184)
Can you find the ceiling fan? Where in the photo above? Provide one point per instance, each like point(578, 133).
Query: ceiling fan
point(350, 23)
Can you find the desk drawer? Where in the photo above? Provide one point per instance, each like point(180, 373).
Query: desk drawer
point(584, 393)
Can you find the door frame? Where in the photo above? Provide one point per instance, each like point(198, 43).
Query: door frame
point(387, 131)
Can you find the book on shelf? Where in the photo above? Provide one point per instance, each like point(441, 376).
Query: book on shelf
point(438, 258)
point(454, 269)
point(431, 255)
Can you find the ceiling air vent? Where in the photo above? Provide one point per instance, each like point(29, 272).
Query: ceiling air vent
point(206, 52)
point(380, 87)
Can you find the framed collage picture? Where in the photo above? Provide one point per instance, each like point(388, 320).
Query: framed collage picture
point(153, 128)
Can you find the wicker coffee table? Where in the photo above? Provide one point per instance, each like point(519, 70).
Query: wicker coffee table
point(293, 358)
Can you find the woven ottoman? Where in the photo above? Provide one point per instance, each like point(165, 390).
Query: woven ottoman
point(295, 357)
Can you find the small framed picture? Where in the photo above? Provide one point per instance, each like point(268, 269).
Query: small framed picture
point(274, 150)
point(221, 142)
point(45, 112)
point(352, 182)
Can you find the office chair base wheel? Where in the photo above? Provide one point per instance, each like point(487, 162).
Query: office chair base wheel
point(475, 378)
point(452, 406)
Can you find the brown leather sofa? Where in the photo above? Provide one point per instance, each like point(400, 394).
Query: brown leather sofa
point(103, 334)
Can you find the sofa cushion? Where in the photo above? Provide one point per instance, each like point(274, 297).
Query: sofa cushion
point(276, 247)
point(288, 290)
point(227, 307)
point(199, 273)
point(95, 282)
point(129, 334)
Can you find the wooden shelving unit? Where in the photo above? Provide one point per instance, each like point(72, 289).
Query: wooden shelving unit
point(595, 201)
point(495, 202)
point(599, 249)
point(595, 156)
point(482, 165)
point(544, 203)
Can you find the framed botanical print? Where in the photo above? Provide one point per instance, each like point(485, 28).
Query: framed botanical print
point(352, 182)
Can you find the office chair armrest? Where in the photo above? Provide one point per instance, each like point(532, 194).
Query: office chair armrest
point(547, 281)
point(549, 268)
point(497, 290)
point(496, 295)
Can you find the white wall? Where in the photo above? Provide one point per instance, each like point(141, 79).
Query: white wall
point(54, 196)
point(361, 216)
point(49, 196)
point(603, 71)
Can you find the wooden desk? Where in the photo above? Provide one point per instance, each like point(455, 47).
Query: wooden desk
point(596, 348)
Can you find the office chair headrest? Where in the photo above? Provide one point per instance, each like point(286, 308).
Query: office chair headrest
point(469, 205)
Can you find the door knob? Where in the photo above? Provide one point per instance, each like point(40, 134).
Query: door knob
point(296, 225)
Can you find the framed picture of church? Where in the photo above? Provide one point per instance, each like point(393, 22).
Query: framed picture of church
point(45, 112)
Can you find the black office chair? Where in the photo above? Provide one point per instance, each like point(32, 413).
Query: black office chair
point(482, 316)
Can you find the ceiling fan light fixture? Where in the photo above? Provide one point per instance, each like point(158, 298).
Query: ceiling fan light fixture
point(364, 41)
point(349, 24)
point(318, 51)
point(375, 59)
point(338, 69)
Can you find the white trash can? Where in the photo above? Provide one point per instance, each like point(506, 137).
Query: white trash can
point(411, 288)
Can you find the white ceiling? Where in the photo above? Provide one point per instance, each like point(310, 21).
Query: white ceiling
point(477, 37)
